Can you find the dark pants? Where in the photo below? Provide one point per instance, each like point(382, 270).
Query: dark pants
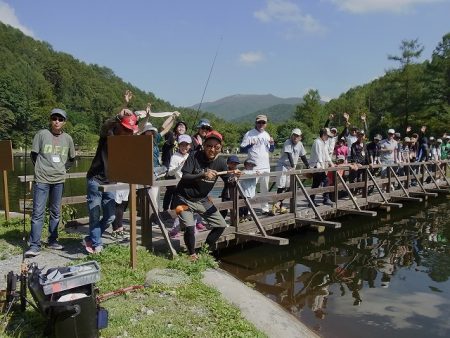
point(320, 180)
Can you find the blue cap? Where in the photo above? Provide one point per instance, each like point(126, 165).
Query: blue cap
point(203, 123)
point(58, 111)
point(233, 159)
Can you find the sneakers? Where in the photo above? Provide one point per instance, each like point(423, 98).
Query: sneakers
point(32, 253)
point(193, 258)
point(118, 233)
point(88, 245)
point(200, 226)
point(327, 202)
point(55, 246)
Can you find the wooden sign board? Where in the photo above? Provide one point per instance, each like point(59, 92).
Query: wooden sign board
point(6, 155)
point(130, 159)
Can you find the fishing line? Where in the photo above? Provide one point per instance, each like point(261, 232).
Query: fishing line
point(206, 84)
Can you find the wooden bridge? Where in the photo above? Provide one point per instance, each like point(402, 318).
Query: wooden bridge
point(419, 182)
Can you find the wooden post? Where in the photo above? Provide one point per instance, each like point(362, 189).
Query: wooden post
point(336, 190)
point(365, 191)
point(146, 225)
point(234, 216)
point(5, 194)
point(132, 200)
point(388, 190)
point(293, 187)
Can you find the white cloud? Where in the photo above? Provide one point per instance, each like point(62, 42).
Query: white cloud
point(8, 16)
point(250, 58)
point(288, 13)
point(365, 6)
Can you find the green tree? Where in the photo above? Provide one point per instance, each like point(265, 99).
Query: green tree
point(411, 50)
point(310, 111)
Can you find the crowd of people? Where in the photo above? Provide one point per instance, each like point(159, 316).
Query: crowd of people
point(195, 161)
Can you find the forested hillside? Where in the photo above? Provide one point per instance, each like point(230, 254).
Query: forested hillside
point(34, 79)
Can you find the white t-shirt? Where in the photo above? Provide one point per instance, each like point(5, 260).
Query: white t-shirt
point(248, 184)
point(259, 151)
point(296, 150)
point(320, 158)
point(176, 163)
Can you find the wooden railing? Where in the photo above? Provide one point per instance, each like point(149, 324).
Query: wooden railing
point(424, 175)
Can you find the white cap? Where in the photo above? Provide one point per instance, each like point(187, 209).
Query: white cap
point(296, 131)
point(149, 127)
point(431, 138)
point(391, 131)
point(439, 140)
point(184, 138)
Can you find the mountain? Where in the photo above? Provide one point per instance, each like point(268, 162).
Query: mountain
point(277, 113)
point(235, 106)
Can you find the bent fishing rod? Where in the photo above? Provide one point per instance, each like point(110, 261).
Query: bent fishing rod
point(206, 84)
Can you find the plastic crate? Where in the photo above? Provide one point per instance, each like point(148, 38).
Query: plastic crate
point(88, 273)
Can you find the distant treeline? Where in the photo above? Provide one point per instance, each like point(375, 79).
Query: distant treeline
point(34, 79)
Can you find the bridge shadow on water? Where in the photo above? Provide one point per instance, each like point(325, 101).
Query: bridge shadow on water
point(387, 275)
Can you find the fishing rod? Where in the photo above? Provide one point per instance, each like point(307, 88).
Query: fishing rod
point(206, 84)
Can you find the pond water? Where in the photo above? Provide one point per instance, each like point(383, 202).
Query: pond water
point(387, 277)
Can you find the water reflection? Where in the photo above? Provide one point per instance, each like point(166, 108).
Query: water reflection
point(371, 277)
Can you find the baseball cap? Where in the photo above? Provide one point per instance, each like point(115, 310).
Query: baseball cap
point(333, 129)
point(250, 161)
point(361, 132)
point(261, 118)
point(233, 159)
point(439, 140)
point(329, 133)
point(296, 131)
point(58, 111)
point(431, 138)
point(377, 137)
point(340, 158)
point(203, 123)
point(397, 135)
point(407, 139)
point(214, 134)
point(391, 131)
point(130, 122)
point(184, 138)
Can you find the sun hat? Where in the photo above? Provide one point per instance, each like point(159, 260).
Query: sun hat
point(340, 158)
point(439, 140)
point(329, 133)
point(130, 122)
point(391, 131)
point(58, 111)
point(148, 127)
point(333, 129)
point(184, 139)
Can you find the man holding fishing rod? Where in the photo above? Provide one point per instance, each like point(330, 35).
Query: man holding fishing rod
point(200, 173)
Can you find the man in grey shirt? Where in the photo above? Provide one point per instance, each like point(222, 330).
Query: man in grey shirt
point(52, 153)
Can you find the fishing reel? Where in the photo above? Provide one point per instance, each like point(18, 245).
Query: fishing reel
point(13, 293)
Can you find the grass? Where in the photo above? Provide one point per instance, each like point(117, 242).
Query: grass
point(190, 310)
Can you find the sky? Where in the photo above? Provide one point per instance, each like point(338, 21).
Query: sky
point(281, 47)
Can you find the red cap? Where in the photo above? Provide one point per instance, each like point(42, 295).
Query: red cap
point(130, 122)
point(214, 134)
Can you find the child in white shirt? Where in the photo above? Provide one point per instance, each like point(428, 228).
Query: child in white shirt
point(248, 186)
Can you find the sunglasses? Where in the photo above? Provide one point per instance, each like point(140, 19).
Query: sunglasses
point(261, 122)
point(205, 128)
point(59, 119)
point(217, 147)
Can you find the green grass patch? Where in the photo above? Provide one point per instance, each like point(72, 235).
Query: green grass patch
point(192, 309)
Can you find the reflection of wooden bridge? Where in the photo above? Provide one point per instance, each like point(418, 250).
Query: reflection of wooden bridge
point(420, 181)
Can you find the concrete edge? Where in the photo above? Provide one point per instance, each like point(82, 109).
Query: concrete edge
point(267, 316)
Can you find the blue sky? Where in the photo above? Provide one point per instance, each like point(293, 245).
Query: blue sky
point(282, 47)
